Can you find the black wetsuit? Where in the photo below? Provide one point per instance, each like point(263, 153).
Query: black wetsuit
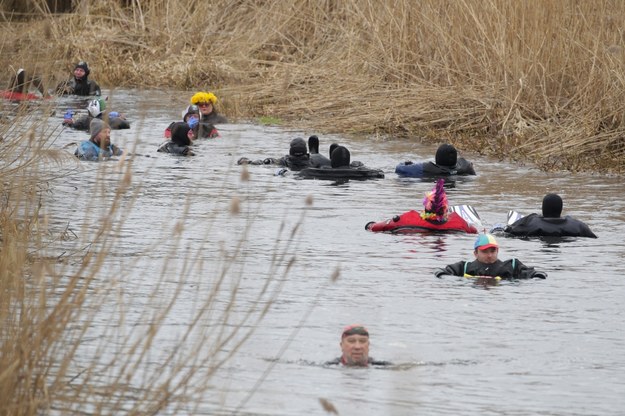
point(83, 86)
point(176, 149)
point(509, 269)
point(535, 225)
point(370, 361)
point(462, 167)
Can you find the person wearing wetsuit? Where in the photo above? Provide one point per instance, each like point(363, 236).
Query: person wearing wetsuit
point(206, 101)
point(435, 217)
point(355, 349)
point(79, 83)
point(317, 160)
point(297, 159)
point(341, 168)
point(486, 263)
point(180, 140)
point(99, 146)
point(96, 109)
point(550, 224)
point(446, 163)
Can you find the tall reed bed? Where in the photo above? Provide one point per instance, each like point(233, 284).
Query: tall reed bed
point(75, 338)
point(533, 79)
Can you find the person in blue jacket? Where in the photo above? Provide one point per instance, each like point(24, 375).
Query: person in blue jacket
point(99, 146)
point(446, 163)
point(550, 224)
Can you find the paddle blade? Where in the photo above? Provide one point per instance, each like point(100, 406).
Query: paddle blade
point(513, 217)
point(468, 213)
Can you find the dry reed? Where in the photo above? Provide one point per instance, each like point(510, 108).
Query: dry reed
point(539, 80)
point(55, 290)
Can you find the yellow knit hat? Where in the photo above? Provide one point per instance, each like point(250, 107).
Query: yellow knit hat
point(203, 97)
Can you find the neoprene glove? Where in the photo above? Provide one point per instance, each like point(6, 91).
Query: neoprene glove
point(439, 272)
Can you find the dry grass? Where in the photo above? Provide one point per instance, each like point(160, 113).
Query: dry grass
point(55, 291)
point(539, 80)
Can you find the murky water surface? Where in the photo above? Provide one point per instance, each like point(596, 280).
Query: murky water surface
point(552, 347)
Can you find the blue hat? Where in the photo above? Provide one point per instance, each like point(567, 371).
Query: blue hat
point(485, 241)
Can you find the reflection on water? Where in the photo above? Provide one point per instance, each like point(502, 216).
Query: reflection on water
point(553, 346)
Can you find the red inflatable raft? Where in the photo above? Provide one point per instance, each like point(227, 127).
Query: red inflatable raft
point(411, 222)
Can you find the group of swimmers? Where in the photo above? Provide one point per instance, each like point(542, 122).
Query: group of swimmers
point(198, 121)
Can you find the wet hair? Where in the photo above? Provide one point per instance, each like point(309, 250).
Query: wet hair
point(340, 157)
point(446, 155)
point(552, 206)
point(180, 134)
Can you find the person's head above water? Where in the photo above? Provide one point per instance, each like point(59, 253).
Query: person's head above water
point(81, 70)
point(180, 134)
point(313, 144)
point(355, 345)
point(486, 249)
point(435, 203)
point(446, 155)
point(333, 147)
point(205, 101)
point(552, 206)
point(297, 147)
point(340, 157)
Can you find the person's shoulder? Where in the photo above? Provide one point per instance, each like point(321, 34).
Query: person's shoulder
point(336, 361)
point(379, 363)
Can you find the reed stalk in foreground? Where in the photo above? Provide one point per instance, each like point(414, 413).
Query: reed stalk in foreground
point(74, 337)
point(535, 80)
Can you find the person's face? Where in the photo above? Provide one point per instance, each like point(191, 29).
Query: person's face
point(205, 108)
point(355, 349)
point(104, 138)
point(79, 73)
point(487, 256)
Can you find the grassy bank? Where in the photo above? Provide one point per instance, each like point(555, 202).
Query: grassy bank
point(533, 80)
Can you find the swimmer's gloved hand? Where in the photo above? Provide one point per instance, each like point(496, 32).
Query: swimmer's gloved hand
point(440, 272)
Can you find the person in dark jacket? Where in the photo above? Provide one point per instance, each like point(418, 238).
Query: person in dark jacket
point(79, 83)
point(486, 264)
point(341, 169)
point(317, 160)
point(206, 101)
point(180, 141)
point(550, 224)
point(355, 348)
point(297, 159)
point(446, 163)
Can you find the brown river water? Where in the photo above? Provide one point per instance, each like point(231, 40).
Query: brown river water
point(548, 347)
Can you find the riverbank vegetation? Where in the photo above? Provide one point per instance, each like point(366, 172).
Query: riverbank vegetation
point(527, 80)
point(86, 328)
